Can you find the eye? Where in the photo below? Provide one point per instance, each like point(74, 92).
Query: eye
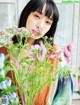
point(48, 23)
point(36, 16)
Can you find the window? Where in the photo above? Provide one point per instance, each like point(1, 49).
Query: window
point(8, 13)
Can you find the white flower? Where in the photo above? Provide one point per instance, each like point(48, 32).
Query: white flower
point(5, 97)
point(16, 99)
point(8, 82)
point(3, 85)
point(2, 57)
point(14, 94)
point(10, 99)
point(13, 99)
point(2, 73)
point(1, 65)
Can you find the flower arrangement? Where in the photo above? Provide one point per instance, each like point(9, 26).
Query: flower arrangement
point(32, 66)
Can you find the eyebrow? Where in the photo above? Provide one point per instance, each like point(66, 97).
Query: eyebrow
point(44, 15)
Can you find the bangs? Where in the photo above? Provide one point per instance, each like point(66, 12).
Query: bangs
point(47, 12)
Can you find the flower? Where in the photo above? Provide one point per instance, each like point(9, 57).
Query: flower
point(13, 98)
point(70, 47)
point(33, 68)
point(8, 82)
point(38, 52)
point(2, 73)
point(1, 65)
point(67, 53)
point(55, 55)
point(14, 94)
point(6, 98)
point(43, 49)
point(10, 99)
point(2, 57)
point(3, 85)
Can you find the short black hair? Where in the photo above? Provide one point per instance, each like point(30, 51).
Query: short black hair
point(37, 5)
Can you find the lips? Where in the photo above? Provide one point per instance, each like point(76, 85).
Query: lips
point(37, 32)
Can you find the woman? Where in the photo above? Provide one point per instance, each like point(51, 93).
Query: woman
point(40, 17)
point(45, 15)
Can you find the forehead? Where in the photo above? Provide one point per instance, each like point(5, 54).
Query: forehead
point(46, 10)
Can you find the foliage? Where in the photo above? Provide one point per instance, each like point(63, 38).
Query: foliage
point(32, 65)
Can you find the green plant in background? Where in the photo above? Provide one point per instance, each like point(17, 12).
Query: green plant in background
point(31, 65)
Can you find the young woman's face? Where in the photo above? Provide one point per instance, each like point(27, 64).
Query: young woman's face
point(38, 24)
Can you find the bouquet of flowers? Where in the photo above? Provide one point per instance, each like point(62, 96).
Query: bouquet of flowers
point(33, 67)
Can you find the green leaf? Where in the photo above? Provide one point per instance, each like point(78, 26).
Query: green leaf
point(1, 78)
point(7, 69)
point(12, 88)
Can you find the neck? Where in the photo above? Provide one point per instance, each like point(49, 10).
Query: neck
point(31, 41)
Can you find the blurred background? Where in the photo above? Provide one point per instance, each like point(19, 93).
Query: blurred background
point(68, 30)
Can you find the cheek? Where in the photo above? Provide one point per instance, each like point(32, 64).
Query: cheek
point(30, 23)
point(47, 28)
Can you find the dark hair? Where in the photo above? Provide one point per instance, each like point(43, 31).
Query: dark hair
point(37, 5)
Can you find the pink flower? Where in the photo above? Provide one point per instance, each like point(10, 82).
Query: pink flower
point(35, 47)
point(67, 53)
point(33, 50)
point(55, 55)
point(43, 49)
point(69, 47)
point(38, 51)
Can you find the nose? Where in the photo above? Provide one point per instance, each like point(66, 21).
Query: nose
point(40, 25)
